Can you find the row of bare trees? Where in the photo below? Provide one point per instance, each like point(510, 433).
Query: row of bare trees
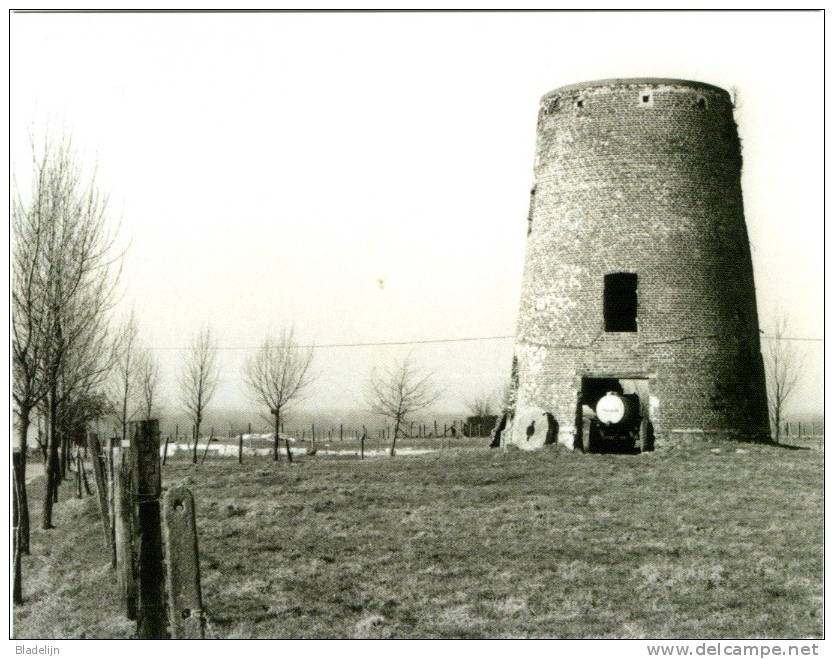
point(135, 378)
point(65, 273)
point(278, 375)
point(71, 364)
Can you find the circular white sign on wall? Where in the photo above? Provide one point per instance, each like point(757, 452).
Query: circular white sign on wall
point(610, 408)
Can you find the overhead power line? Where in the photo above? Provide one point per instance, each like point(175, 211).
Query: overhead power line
point(363, 344)
point(367, 344)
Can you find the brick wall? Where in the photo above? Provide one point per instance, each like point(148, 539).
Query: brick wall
point(641, 177)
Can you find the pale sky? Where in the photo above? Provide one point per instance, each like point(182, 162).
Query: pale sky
point(270, 169)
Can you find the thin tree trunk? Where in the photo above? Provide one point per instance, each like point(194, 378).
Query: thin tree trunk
point(41, 445)
point(17, 588)
point(124, 413)
point(62, 455)
point(56, 471)
point(394, 440)
point(67, 454)
point(196, 440)
point(84, 480)
point(78, 476)
point(22, 500)
point(61, 429)
point(276, 439)
point(208, 443)
point(51, 463)
point(286, 442)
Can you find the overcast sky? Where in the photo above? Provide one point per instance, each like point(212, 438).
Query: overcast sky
point(366, 176)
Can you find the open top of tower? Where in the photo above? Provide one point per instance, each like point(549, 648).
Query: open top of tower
point(635, 82)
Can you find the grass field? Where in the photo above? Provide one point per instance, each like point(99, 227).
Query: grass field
point(720, 540)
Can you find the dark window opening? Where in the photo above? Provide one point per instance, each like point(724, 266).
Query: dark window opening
point(580, 103)
point(646, 98)
point(620, 302)
point(702, 103)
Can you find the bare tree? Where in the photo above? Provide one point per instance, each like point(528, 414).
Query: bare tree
point(398, 391)
point(29, 331)
point(198, 380)
point(277, 375)
point(149, 381)
point(481, 405)
point(65, 275)
point(783, 365)
point(125, 386)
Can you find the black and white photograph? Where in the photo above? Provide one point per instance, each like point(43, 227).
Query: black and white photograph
point(380, 324)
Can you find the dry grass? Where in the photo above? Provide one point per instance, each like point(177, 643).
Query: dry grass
point(704, 541)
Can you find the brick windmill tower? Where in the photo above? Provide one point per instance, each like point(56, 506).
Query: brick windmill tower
point(638, 304)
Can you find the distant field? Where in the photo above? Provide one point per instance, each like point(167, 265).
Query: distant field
point(224, 447)
point(720, 540)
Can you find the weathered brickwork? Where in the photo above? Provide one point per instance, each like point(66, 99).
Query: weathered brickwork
point(640, 176)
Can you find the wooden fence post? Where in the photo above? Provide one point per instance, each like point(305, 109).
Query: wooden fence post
point(362, 444)
point(165, 449)
point(182, 558)
point(144, 449)
point(240, 450)
point(123, 524)
point(341, 437)
point(111, 501)
point(101, 485)
point(81, 474)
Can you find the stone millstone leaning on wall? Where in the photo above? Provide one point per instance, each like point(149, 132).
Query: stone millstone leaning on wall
point(638, 277)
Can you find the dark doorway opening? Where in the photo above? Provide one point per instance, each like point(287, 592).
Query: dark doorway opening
point(632, 434)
